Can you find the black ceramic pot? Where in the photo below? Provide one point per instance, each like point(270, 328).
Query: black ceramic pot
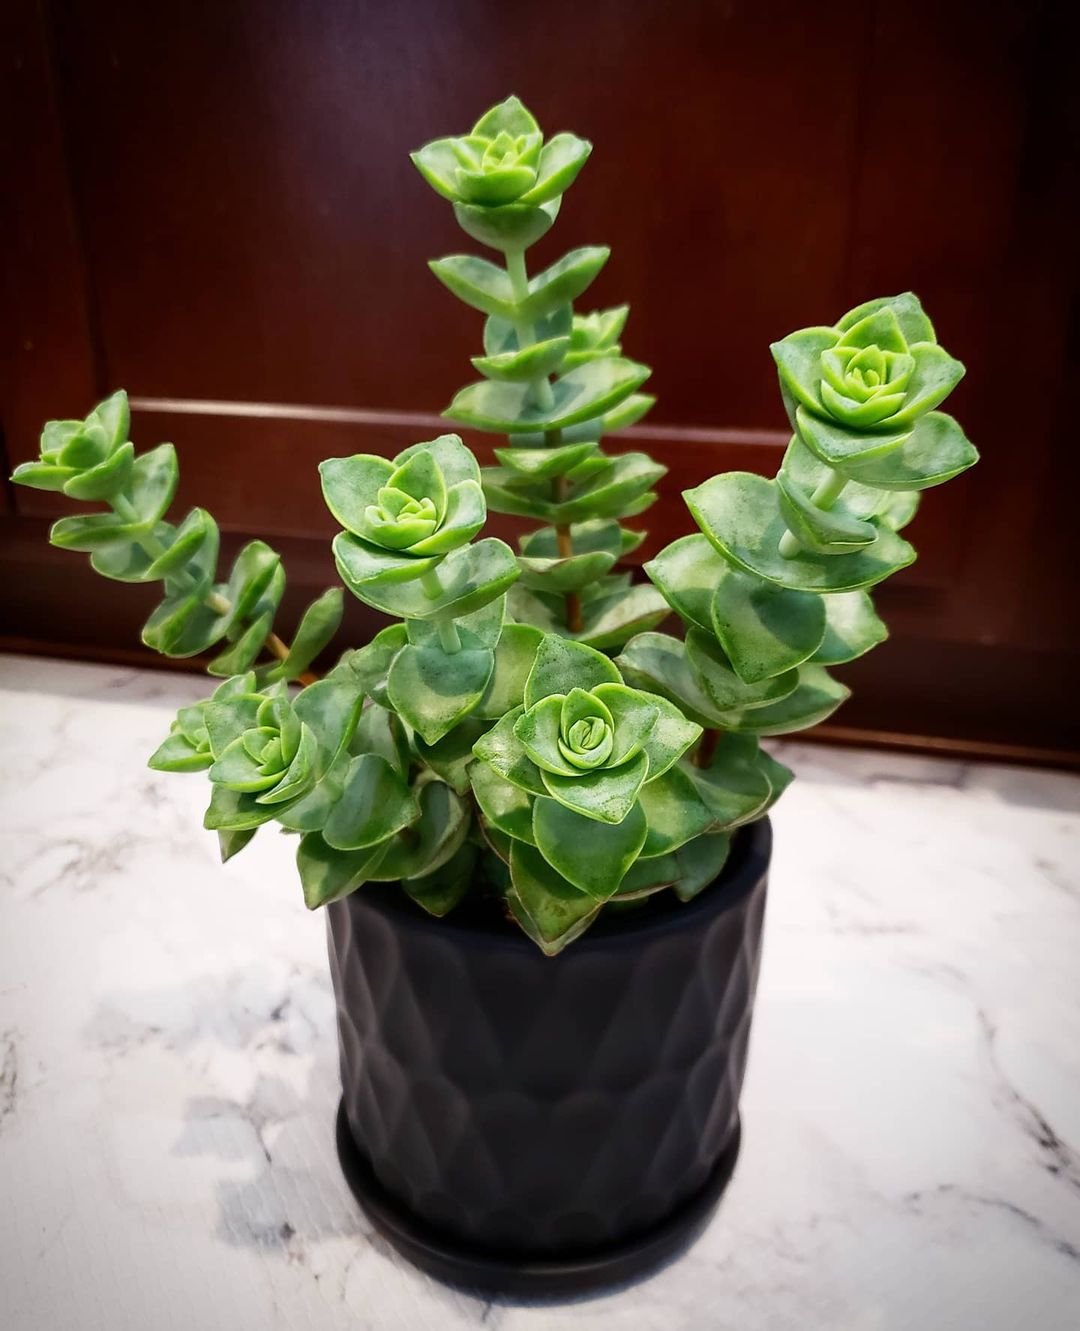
point(545, 1125)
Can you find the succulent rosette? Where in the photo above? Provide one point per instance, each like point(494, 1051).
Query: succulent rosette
point(864, 389)
point(503, 178)
point(87, 459)
point(563, 774)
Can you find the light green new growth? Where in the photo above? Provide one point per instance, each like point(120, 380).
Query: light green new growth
point(487, 742)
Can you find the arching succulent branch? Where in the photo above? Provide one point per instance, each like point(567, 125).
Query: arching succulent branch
point(553, 381)
point(486, 742)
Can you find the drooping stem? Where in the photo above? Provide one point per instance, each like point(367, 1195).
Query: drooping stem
point(828, 491)
point(220, 605)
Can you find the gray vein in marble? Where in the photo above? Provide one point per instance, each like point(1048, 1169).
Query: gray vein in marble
point(1059, 1159)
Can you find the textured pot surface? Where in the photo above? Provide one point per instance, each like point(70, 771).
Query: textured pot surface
point(548, 1105)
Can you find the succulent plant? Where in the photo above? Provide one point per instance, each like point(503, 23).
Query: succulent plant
point(523, 733)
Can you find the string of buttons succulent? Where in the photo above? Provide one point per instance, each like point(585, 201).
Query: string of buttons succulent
point(523, 737)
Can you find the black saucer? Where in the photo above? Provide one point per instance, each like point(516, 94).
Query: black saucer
point(458, 1263)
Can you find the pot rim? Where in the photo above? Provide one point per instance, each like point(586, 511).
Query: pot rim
point(750, 854)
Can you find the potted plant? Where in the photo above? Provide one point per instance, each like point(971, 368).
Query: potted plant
point(538, 823)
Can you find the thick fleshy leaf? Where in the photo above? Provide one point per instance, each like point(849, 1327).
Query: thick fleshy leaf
point(542, 464)
point(551, 910)
point(465, 514)
point(739, 512)
point(668, 736)
point(439, 892)
point(934, 452)
point(935, 375)
point(688, 571)
point(561, 158)
point(822, 531)
point(232, 843)
point(505, 806)
point(298, 779)
point(539, 730)
point(319, 624)
point(330, 708)
point(469, 578)
point(817, 697)
point(564, 575)
point(658, 662)
point(512, 226)
point(433, 689)
point(840, 446)
point(482, 628)
point(375, 803)
point(233, 811)
point(381, 731)
point(367, 667)
point(913, 323)
point(177, 754)
point(607, 795)
point(328, 874)
point(588, 391)
point(592, 856)
point(563, 282)
point(727, 690)
point(763, 629)
point(699, 863)
point(675, 812)
point(429, 843)
point(514, 658)
point(510, 116)
point(734, 786)
point(798, 361)
point(106, 479)
point(542, 358)
point(561, 665)
point(365, 567)
point(506, 754)
point(456, 461)
point(196, 531)
point(852, 628)
point(452, 756)
point(478, 283)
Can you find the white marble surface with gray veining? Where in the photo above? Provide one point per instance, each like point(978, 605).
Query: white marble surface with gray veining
point(911, 1155)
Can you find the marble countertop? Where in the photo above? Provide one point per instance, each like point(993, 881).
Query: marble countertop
point(911, 1153)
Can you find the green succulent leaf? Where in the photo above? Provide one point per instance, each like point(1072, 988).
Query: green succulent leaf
point(735, 785)
point(674, 811)
point(740, 514)
point(659, 662)
point(606, 795)
point(592, 856)
point(375, 803)
point(542, 358)
point(580, 395)
point(722, 684)
point(561, 665)
point(514, 658)
point(817, 696)
point(852, 628)
point(328, 874)
point(765, 630)
point(822, 531)
point(232, 843)
point(452, 756)
point(429, 843)
point(502, 749)
point(434, 690)
point(505, 806)
point(469, 578)
point(446, 887)
point(320, 622)
point(551, 910)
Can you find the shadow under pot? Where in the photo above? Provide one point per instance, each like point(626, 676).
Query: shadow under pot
point(544, 1126)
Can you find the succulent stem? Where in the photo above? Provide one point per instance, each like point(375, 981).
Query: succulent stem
point(449, 638)
point(826, 494)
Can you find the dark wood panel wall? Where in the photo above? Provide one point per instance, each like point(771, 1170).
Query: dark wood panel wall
point(212, 206)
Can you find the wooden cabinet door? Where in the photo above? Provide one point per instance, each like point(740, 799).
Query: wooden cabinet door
point(214, 208)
